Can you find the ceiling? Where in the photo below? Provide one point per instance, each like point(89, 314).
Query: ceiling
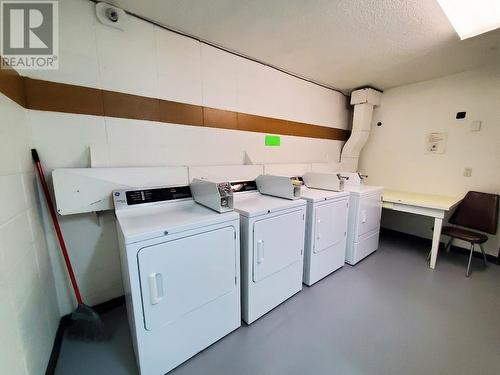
point(340, 43)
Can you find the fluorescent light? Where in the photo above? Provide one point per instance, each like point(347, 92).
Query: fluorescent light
point(472, 17)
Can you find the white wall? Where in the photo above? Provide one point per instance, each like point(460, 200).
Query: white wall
point(394, 155)
point(29, 313)
point(150, 61)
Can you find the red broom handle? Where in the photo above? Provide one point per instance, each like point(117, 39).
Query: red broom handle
point(57, 228)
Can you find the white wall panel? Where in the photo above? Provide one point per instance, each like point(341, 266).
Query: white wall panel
point(14, 241)
point(179, 67)
point(63, 139)
point(219, 78)
point(15, 154)
point(93, 247)
point(261, 91)
point(26, 286)
point(138, 156)
point(127, 59)
point(78, 63)
point(146, 143)
point(287, 169)
point(12, 199)
point(226, 172)
point(11, 353)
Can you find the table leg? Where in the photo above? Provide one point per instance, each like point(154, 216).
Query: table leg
point(438, 223)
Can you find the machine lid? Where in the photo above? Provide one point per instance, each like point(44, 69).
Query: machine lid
point(256, 204)
point(317, 195)
point(144, 222)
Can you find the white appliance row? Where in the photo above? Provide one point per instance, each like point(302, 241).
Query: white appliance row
point(184, 264)
point(365, 206)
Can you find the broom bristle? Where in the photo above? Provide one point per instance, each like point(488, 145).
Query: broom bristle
point(85, 324)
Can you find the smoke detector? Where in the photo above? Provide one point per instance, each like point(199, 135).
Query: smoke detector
point(110, 15)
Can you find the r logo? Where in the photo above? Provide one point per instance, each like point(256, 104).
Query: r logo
point(29, 30)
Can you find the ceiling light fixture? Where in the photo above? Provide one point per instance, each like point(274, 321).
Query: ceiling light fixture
point(471, 18)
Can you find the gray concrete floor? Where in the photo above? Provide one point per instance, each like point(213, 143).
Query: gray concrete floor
point(390, 314)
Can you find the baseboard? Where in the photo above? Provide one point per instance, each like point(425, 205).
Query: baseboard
point(109, 305)
point(454, 249)
point(56, 346)
point(100, 308)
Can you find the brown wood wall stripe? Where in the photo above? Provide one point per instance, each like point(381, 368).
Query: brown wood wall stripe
point(12, 85)
point(180, 113)
point(218, 118)
point(60, 97)
point(261, 124)
point(117, 104)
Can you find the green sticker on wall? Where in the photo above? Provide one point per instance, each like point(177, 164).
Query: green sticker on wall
point(273, 140)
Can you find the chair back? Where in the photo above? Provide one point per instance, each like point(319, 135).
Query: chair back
point(477, 211)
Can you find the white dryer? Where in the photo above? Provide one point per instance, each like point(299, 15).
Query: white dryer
point(365, 210)
point(326, 225)
point(272, 247)
point(272, 239)
point(181, 274)
point(326, 232)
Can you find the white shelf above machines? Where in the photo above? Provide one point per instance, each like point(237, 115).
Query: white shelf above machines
point(80, 190)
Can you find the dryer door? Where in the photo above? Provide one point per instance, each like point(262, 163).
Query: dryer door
point(179, 276)
point(330, 225)
point(277, 242)
point(370, 210)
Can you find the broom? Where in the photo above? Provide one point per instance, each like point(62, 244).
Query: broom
point(85, 323)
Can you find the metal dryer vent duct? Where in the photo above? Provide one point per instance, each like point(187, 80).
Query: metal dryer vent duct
point(363, 100)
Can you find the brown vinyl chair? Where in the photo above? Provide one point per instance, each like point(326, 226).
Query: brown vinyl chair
point(477, 211)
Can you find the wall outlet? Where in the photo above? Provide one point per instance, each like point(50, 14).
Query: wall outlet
point(475, 126)
point(467, 172)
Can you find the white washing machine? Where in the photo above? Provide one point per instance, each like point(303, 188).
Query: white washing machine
point(272, 247)
point(181, 274)
point(365, 210)
point(326, 232)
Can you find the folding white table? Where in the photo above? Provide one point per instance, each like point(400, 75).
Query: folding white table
point(422, 204)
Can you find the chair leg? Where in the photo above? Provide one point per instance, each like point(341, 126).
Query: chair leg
point(448, 245)
point(484, 254)
point(467, 274)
